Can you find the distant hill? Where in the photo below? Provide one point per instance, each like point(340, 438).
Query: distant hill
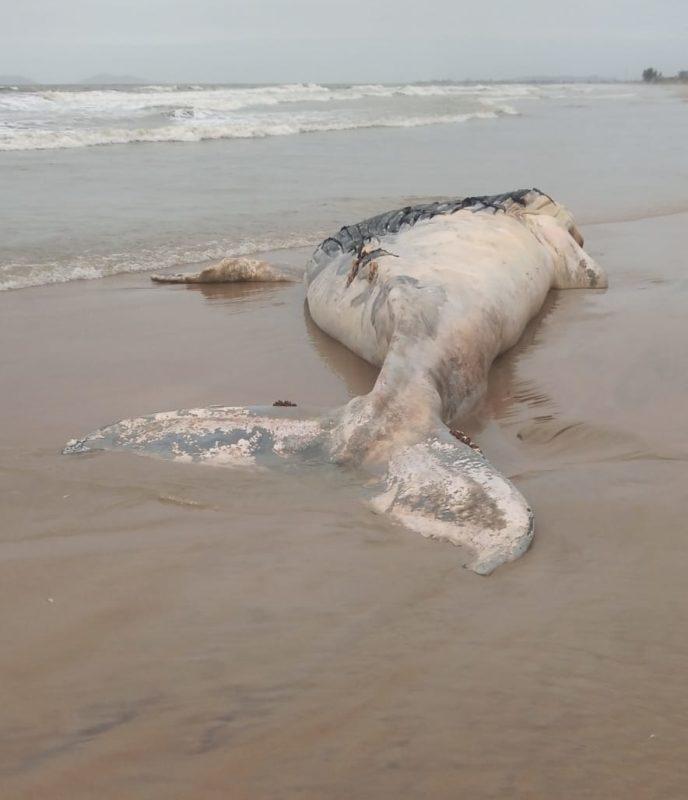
point(106, 79)
point(16, 80)
point(545, 79)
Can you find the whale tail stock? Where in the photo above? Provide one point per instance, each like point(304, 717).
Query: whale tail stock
point(432, 483)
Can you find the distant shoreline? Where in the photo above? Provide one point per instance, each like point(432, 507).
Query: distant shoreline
point(21, 82)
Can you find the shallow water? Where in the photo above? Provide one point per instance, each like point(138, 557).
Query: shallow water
point(94, 211)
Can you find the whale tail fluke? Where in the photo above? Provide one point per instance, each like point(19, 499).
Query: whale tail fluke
point(446, 489)
point(219, 435)
point(436, 486)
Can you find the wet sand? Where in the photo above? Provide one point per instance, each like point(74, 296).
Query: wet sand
point(175, 631)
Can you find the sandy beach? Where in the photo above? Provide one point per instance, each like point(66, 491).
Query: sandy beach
point(175, 631)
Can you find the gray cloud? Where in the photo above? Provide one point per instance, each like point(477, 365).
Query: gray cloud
point(309, 40)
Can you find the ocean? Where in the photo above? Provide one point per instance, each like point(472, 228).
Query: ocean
point(100, 180)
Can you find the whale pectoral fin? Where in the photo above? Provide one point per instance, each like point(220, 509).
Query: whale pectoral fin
point(234, 270)
point(444, 489)
point(223, 436)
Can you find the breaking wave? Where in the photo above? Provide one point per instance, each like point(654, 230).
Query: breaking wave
point(39, 118)
point(196, 129)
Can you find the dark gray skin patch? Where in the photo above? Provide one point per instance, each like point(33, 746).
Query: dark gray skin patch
point(194, 445)
point(405, 280)
point(425, 313)
point(360, 298)
point(380, 300)
point(476, 507)
point(430, 313)
point(351, 238)
point(344, 267)
point(315, 268)
point(592, 275)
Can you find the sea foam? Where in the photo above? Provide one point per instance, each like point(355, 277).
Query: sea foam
point(198, 127)
point(56, 118)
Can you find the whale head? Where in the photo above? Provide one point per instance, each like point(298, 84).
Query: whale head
point(555, 226)
point(538, 203)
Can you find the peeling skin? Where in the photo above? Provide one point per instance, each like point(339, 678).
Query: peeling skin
point(431, 294)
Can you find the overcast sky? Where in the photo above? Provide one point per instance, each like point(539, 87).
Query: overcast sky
point(345, 41)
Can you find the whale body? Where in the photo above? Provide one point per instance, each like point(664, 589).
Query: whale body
point(431, 294)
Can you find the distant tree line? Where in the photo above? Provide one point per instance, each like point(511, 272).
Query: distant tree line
point(651, 75)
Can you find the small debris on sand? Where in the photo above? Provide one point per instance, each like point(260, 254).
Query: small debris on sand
point(465, 438)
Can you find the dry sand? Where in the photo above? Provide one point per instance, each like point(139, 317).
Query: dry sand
point(172, 631)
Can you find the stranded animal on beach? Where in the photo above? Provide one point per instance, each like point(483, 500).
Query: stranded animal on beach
point(230, 270)
point(431, 294)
